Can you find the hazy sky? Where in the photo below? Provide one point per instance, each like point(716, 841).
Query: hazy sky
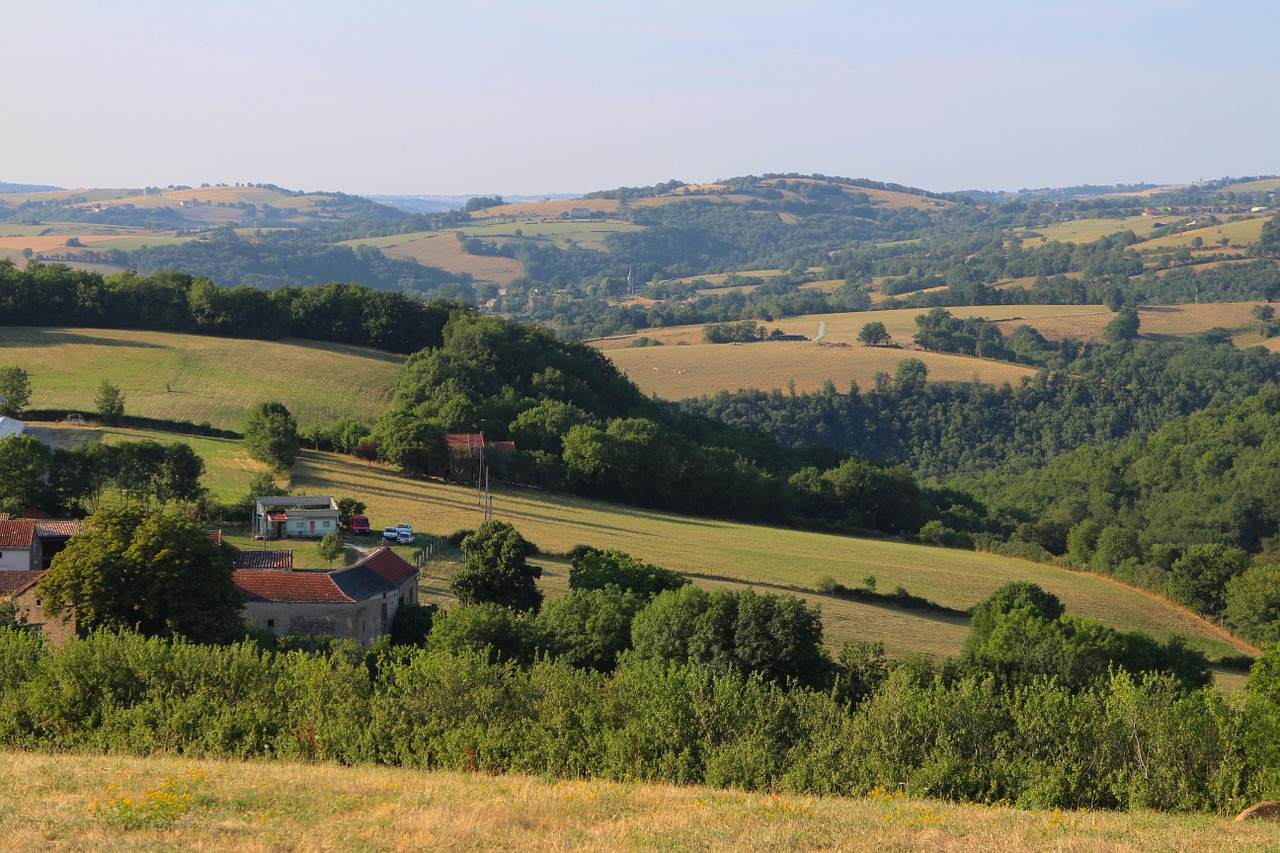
point(565, 96)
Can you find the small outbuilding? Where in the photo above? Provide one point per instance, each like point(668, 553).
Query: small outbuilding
point(309, 517)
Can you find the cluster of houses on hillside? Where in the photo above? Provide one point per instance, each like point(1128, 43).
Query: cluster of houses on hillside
point(357, 602)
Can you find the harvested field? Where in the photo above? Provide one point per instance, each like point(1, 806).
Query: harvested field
point(678, 372)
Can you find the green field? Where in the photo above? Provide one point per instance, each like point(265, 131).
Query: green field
point(74, 802)
point(197, 378)
point(1088, 230)
point(774, 558)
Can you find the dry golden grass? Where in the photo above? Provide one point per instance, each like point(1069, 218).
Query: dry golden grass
point(199, 378)
point(442, 249)
point(61, 195)
point(1264, 185)
point(1156, 322)
point(67, 802)
point(46, 243)
point(718, 279)
point(844, 328)
point(679, 372)
point(554, 207)
point(1241, 232)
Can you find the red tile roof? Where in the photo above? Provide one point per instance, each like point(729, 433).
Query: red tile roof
point(215, 536)
point(388, 565)
point(12, 583)
point(380, 572)
point(464, 439)
point(17, 534)
point(264, 560)
point(278, 585)
point(48, 529)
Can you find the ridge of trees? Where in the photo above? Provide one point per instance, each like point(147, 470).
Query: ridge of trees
point(56, 295)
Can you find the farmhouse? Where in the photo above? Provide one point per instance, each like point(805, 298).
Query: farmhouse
point(275, 518)
point(359, 602)
point(26, 547)
point(21, 587)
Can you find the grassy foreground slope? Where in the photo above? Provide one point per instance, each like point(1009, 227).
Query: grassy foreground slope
point(198, 378)
point(109, 803)
point(714, 551)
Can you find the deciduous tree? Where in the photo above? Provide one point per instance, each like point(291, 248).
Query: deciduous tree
point(15, 390)
point(496, 569)
point(271, 435)
point(156, 572)
point(109, 402)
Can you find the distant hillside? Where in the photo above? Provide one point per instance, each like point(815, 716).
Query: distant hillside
point(6, 187)
point(440, 203)
point(188, 207)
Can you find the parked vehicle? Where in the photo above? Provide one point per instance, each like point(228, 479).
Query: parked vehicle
point(390, 533)
point(360, 525)
point(405, 537)
point(405, 528)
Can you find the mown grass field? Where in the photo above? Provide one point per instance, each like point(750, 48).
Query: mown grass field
point(680, 372)
point(197, 378)
point(774, 558)
point(441, 249)
point(94, 803)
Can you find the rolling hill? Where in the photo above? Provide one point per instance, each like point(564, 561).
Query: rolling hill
point(686, 367)
point(198, 378)
point(715, 552)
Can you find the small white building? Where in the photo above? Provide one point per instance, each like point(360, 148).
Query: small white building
point(309, 517)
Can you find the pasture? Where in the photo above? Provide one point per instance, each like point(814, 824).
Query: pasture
point(197, 378)
point(1088, 230)
point(69, 801)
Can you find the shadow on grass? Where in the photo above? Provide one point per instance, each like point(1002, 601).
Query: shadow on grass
point(26, 336)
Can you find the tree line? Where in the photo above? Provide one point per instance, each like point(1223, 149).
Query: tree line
point(56, 295)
